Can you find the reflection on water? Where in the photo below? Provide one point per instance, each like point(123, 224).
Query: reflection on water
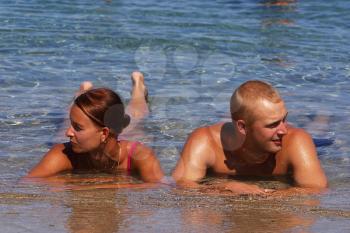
point(279, 13)
point(250, 220)
point(95, 212)
point(275, 37)
point(58, 208)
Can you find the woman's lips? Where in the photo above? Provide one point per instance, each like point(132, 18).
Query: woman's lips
point(73, 143)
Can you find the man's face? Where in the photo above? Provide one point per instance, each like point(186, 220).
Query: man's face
point(268, 127)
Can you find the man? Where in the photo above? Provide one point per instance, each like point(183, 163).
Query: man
point(258, 142)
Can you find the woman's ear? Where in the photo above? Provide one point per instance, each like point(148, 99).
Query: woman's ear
point(105, 133)
point(126, 120)
point(241, 126)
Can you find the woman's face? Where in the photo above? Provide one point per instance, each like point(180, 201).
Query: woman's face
point(84, 135)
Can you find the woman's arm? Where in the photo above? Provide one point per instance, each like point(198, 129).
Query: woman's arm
point(54, 161)
point(147, 164)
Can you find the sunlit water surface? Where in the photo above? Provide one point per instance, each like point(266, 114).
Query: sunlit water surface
point(193, 55)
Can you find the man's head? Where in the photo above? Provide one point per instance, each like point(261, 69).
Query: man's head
point(248, 96)
point(259, 113)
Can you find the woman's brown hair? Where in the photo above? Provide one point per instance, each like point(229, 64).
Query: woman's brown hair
point(105, 108)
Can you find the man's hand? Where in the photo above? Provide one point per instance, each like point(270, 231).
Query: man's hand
point(243, 188)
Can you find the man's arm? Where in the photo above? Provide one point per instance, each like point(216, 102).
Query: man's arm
point(302, 156)
point(197, 155)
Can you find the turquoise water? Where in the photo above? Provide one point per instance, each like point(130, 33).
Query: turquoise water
point(193, 55)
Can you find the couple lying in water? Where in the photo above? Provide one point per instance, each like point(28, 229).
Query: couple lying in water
point(257, 142)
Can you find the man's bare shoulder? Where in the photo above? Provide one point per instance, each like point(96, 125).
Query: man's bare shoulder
point(300, 153)
point(209, 132)
point(297, 134)
point(298, 143)
point(198, 154)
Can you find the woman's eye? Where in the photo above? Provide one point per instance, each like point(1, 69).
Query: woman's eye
point(76, 127)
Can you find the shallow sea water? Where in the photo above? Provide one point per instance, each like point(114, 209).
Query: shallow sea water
point(193, 55)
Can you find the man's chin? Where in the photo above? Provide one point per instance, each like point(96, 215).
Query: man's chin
point(275, 149)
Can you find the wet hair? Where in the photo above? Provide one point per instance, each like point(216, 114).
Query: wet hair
point(245, 98)
point(105, 108)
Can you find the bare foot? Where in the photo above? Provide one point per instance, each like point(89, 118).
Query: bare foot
point(139, 89)
point(84, 86)
point(138, 107)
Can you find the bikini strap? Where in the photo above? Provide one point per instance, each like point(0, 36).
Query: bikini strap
point(131, 153)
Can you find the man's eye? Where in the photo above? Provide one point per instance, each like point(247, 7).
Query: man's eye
point(274, 125)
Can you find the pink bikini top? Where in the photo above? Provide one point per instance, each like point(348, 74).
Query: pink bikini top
point(130, 154)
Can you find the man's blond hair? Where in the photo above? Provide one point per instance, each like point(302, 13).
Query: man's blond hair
point(247, 97)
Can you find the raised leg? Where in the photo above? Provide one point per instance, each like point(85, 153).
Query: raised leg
point(138, 107)
point(84, 86)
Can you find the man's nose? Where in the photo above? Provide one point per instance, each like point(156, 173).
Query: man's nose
point(282, 129)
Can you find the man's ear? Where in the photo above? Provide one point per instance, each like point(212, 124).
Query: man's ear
point(105, 134)
point(241, 126)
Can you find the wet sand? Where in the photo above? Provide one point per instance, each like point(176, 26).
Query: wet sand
point(56, 207)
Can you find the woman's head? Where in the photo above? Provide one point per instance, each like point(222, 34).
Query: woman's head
point(105, 108)
point(97, 113)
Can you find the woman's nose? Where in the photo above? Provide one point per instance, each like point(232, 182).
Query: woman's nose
point(69, 132)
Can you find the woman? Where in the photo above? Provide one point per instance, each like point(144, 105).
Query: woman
point(97, 118)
